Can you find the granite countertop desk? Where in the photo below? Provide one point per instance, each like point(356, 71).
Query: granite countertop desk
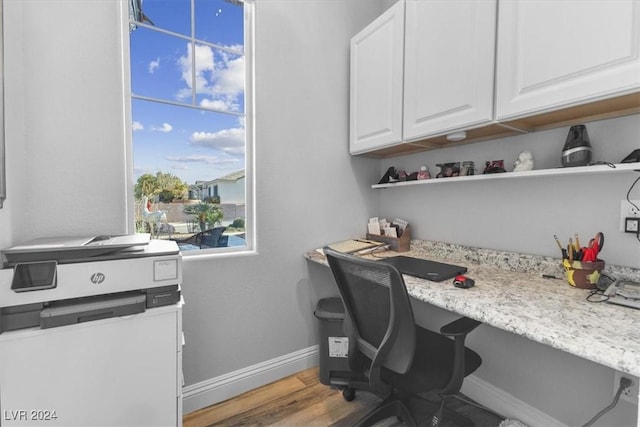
point(510, 294)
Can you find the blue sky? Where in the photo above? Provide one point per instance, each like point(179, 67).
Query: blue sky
point(189, 143)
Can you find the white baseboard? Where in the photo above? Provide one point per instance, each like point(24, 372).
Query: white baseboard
point(505, 404)
point(223, 387)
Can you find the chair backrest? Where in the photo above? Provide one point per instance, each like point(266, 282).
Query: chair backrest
point(378, 315)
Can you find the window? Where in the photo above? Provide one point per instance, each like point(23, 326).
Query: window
point(190, 70)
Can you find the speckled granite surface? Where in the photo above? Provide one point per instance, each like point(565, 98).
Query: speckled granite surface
point(510, 294)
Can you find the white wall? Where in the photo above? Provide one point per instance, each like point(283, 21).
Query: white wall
point(67, 162)
point(66, 169)
point(522, 215)
point(242, 311)
point(232, 192)
point(64, 120)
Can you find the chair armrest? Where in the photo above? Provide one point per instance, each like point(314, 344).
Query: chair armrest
point(459, 327)
point(458, 330)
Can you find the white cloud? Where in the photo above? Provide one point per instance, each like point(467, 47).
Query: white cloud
point(166, 128)
point(230, 141)
point(218, 75)
point(227, 104)
point(153, 65)
point(137, 126)
point(229, 80)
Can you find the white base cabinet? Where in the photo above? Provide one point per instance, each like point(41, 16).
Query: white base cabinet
point(123, 371)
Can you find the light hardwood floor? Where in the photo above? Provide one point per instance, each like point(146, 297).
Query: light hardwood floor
point(301, 400)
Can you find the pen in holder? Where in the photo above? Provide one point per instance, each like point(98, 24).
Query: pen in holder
point(583, 274)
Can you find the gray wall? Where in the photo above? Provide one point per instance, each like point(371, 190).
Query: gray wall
point(522, 215)
point(67, 162)
point(64, 106)
point(245, 310)
point(66, 174)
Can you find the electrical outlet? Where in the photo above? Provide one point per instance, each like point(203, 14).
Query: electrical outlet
point(631, 225)
point(629, 394)
point(628, 210)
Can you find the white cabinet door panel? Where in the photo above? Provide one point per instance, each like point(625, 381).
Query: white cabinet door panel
point(449, 65)
point(376, 82)
point(564, 53)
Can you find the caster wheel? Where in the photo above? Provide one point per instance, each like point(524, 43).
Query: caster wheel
point(349, 394)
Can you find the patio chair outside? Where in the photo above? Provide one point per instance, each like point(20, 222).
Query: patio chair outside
point(211, 238)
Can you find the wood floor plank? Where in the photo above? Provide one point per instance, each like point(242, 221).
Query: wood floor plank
point(282, 407)
point(301, 400)
point(335, 411)
point(243, 403)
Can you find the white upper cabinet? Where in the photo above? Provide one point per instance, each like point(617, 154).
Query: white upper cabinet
point(376, 83)
point(558, 54)
point(449, 66)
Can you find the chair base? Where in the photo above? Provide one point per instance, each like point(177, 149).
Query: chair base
point(408, 410)
point(390, 407)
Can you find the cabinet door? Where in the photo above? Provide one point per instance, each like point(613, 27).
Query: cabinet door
point(113, 372)
point(564, 53)
point(376, 83)
point(449, 65)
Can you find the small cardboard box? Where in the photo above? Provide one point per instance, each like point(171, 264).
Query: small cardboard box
point(398, 244)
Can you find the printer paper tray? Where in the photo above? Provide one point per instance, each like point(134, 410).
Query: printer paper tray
point(81, 310)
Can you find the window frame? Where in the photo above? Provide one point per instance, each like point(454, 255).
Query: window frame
point(249, 116)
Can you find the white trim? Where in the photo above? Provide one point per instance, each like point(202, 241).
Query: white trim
point(505, 404)
point(223, 387)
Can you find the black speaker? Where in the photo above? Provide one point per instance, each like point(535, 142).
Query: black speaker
point(577, 147)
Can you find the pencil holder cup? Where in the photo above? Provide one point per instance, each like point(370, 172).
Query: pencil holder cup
point(583, 275)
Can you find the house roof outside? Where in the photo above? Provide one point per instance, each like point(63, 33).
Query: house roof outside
point(232, 177)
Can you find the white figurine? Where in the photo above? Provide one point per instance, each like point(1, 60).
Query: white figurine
point(524, 162)
point(424, 173)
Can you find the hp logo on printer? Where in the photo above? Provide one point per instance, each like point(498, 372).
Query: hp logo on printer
point(97, 278)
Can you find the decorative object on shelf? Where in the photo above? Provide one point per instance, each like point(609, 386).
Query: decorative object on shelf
point(388, 176)
point(495, 166)
point(524, 162)
point(593, 169)
point(633, 157)
point(577, 147)
point(468, 168)
point(448, 170)
point(424, 172)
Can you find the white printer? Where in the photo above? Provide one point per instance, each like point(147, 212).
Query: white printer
point(59, 281)
point(91, 332)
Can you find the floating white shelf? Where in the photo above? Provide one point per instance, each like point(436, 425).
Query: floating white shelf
point(579, 170)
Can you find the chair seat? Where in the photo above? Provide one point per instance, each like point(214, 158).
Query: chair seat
point(430, 369)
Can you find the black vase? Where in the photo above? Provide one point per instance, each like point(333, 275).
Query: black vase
point(577, 147)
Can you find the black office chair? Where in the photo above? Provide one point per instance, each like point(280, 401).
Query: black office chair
point(400, 359)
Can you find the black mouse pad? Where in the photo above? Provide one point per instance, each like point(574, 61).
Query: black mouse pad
point(424, 268)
